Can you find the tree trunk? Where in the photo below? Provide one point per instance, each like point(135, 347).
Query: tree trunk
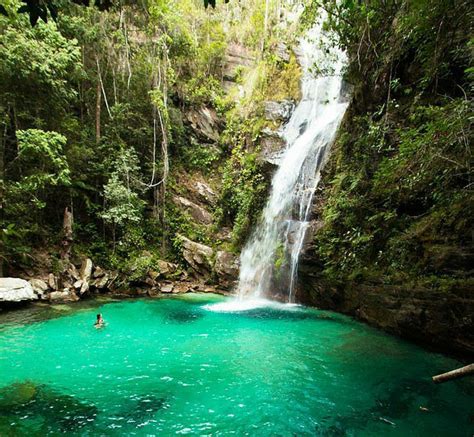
point(454, 374)
point(97, 109)
point(68, 237)
point(3, 140)
point(265, 26)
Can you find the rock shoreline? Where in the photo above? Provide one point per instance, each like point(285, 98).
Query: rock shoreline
point(209, 272)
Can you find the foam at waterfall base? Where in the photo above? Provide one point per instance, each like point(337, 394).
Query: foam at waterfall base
point(239, 305)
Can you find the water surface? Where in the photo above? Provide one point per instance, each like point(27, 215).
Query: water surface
point(172, 366)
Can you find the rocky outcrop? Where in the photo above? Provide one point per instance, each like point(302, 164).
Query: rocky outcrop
point(198, 213)
point(209, 264)
point(236, 57)
point(14, 290)
point(272, 146)
point(440, 319)
point(204, 122)
point(199, 256)
point(281, 51)
point(206, 193)
point(279, 111)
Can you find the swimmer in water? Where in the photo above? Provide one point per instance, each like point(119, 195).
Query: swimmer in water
point(99, 323)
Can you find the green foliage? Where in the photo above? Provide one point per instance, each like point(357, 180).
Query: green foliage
point(200, 156)
point(388, 205)
point(243, 192)
point(122, 204)
point(202, 89)
point(41, 160)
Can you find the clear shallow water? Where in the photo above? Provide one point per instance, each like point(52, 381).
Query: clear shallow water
point(172, 366)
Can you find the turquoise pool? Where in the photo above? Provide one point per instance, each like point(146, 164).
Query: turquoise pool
point(175, 366)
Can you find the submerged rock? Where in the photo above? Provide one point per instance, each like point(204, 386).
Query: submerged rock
point(42, 406)
point(16, 290)
point(63, 296)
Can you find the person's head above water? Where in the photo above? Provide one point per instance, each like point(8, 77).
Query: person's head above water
point(99, 317)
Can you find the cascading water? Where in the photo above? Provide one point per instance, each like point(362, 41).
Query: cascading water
point(269, 260)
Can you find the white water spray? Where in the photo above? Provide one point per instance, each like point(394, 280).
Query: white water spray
point(269, 261)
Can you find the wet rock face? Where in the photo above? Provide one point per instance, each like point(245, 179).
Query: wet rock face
point(441, 320)
point(272, 146)
point(227, 265)
point(14, 290)
point(279, 111)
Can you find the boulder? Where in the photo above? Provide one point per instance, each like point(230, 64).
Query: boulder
point(166, 268)
point(85, 274)
point(78, 284)
point(227, 265)
point(86, 269)
point(72, 272)
point(206, 193)
point(153, 274)
point(16, 290)
point(102, 281)
point(39, 287)
point(52, 282)
point(198, 256)
point(183, 287)
point(84, 288)
point(197, 212)
point(279, 111)
point(166, 288)
point(98, 273)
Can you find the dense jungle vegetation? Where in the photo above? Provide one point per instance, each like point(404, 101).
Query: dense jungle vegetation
point(398, 202)
point(93, 119)
point(94, 115)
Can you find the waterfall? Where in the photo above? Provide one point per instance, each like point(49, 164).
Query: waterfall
point(269, 260)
